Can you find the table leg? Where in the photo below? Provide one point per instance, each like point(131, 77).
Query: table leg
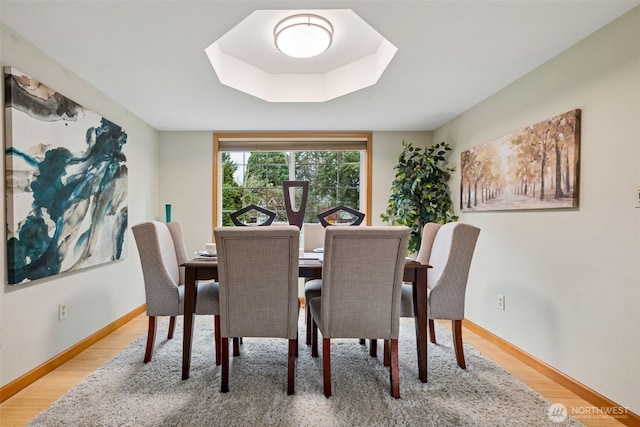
point(420, 309)
point(189, 309)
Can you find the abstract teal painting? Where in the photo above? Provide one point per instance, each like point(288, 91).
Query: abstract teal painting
point(66, 183)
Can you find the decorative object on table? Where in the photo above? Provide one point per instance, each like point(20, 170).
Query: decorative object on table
point(534, 168)
point(255, 213)
point(420, 190)
point(167, 213)
point(362, 287)
point(161, 248)
point(449, 250)
point(66, 183)
point(295, 200)
point(355, 217)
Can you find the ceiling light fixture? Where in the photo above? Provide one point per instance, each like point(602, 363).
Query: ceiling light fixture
point(303, 35)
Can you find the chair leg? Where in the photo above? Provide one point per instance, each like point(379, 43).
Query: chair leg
point(387, 356)
point(151, 339)
point(363, 341)
point(314, 339)
point(172, 327)
point(373, 348)
point(432, 331)
point(216, 332)
point(224, 377)
point(297, 336)
point(456, 328)
point(326, 366)
point(236, 347)
point(394, 371)
point(291, 374)
point(307, 314)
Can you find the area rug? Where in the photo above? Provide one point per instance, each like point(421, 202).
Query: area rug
point(127, 392)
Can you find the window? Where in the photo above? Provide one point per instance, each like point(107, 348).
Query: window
point(251, 168)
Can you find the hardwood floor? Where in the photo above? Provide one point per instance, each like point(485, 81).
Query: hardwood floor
point(21, 408)
point(584, 412)
point(29, 402)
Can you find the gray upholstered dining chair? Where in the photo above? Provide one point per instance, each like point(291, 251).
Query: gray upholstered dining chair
point(362, 284)
point(338, 214)
point(253, 211)
point(161, 248)
point(449, 250)
point(260, 301)
point(313, 288)
point(313, 236)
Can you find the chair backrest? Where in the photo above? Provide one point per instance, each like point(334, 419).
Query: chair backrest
point(450, 258)
point(258, 276)
point(295, 213)
point(160, 265)
point(428, 235)
point(313, 235)
point(267, 215)
point(357, 216)
point(362, 281)
point(175, 228)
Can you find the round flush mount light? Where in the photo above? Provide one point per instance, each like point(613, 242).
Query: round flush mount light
point(303, 35)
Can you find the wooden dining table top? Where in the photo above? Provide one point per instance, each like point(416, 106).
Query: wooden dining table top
point(310, 266)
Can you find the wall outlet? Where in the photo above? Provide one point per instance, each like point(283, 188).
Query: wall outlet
point(500, 305)
point(62, 311)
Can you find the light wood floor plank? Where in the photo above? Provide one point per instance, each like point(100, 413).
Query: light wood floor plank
point(29, 402)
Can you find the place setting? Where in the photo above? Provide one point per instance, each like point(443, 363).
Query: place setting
point(211, 252)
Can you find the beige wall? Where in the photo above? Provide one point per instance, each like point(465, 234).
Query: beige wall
point(30, 330)
point(186, 165)
point(387, 147)
point(571, 278)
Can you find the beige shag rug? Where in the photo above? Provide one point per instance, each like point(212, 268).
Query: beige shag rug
point(127, 392)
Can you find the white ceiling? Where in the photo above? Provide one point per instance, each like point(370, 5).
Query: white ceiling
point(246, 58)
point(149, 56)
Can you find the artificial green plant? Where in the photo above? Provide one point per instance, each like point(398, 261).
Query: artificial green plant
point(420, 190)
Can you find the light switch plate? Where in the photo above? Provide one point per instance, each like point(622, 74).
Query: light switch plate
point(638, 196)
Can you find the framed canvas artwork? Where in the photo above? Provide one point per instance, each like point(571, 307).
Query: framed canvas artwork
point(534, 168)
point(66, 183)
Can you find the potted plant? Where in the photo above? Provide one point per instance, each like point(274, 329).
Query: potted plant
point(420, 190)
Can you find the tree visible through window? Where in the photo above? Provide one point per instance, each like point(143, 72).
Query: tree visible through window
point(256, 178)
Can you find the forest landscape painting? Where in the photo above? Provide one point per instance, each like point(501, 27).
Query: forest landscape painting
point(534, 168)
point(66, 183)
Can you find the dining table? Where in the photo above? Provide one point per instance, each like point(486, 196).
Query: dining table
point(309, 267)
